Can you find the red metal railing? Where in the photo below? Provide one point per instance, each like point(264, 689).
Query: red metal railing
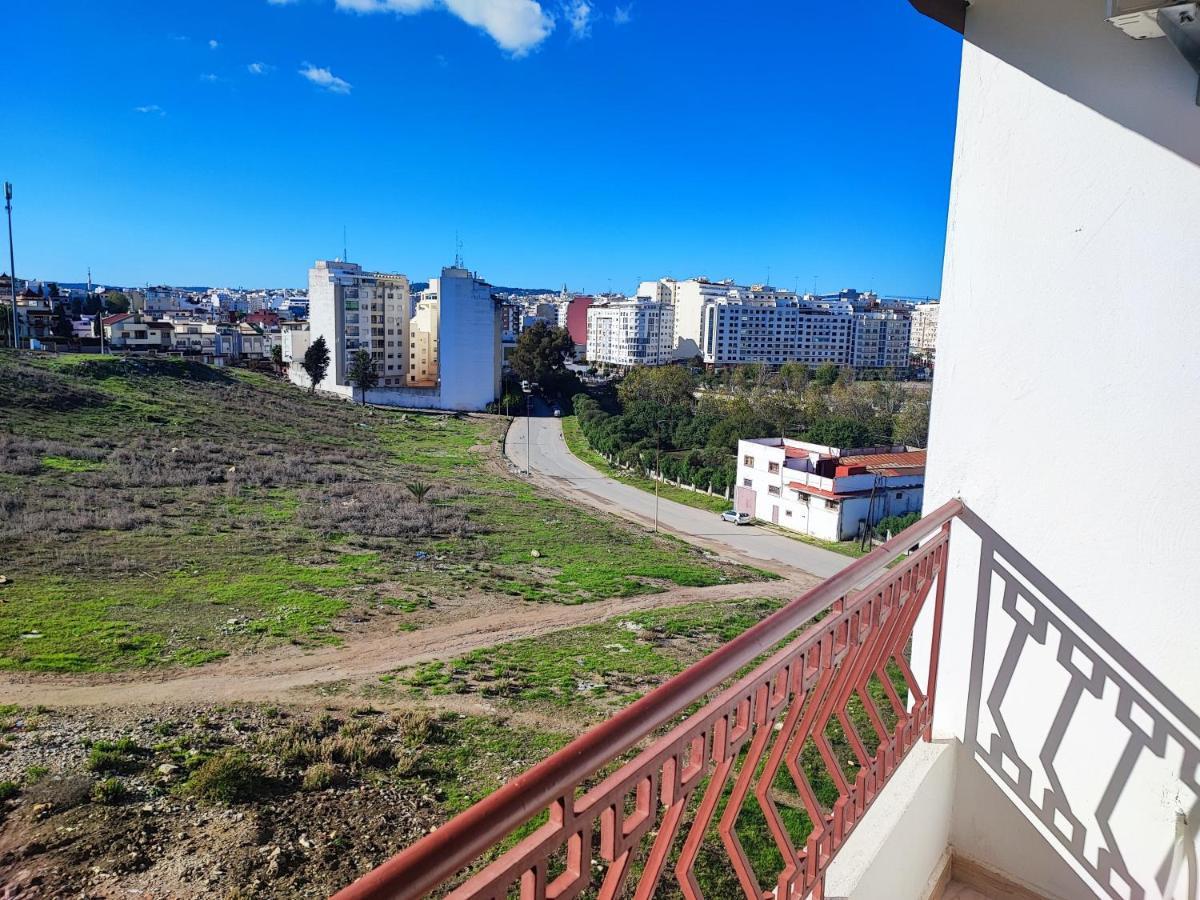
point(644, 817)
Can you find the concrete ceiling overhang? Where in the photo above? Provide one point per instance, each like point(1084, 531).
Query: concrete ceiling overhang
point(949, 12)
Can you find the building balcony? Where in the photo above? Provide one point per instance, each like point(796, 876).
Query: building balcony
point(805, 759)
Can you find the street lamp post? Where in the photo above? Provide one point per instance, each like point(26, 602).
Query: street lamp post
point(657, 469)
point(12, 266)
point(528, 387)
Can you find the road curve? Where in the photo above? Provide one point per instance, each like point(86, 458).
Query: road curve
point(552, 461)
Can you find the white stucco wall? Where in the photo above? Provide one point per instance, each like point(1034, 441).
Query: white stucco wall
point(468, 344)
point(1068, 295)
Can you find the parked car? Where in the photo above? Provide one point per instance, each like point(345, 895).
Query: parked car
point(557, 413)
point(737, 518)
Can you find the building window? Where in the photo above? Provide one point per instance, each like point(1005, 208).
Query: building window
point(748, 461)
point(747, 482)
point(899, 495)
point(773, 490)
point(831, 504)
point(773, 468)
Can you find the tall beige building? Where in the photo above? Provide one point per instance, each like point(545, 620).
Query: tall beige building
point(423, 338)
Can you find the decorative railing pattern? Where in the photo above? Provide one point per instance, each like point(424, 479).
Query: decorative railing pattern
point(643, 826)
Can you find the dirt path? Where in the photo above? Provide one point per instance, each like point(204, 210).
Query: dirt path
point(285, 675)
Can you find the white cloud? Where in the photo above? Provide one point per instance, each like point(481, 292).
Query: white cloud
point(516, 25)
point(260, 68)
point(281, 2)
point(209, 77)
point(623, 15)
point(401, 7)
point(213, 45)
point(325, 79)
point(579, 17)
point(152, 109)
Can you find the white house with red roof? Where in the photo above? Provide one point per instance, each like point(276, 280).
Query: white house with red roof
point(827, 492)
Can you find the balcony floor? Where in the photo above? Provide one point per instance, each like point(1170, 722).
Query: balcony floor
point(957, 891)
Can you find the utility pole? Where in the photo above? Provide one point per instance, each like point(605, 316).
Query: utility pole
point(657, 470)
point(12, 266)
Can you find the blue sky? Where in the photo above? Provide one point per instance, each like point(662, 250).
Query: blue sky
point(227, 142)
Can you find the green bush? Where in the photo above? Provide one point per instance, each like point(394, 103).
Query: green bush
point(896, 524)
point(110, 791)
point(114, 757)
point(231, 777)
point(8, 790)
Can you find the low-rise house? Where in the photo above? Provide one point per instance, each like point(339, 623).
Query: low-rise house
point(827, 492)
point(252, 343)
point(133, 332)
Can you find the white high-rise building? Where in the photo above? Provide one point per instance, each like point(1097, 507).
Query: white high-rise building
point(444, 354)
point(773, 328)
point(357, 310)
point(880, 339)
point(923, 339)
point(636, 332)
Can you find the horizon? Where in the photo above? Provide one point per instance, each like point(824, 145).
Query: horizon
point(595, 145)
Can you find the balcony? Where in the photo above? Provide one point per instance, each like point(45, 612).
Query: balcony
point(803, 759)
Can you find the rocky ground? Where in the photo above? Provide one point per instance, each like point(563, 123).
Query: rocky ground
point(205, 801)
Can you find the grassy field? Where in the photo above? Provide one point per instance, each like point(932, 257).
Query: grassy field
point(577, 443)
point(590, 671)
point(166, 513)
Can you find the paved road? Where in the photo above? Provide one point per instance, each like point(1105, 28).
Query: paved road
point(551, 459)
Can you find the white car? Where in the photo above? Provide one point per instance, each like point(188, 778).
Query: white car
point(557, 413)
point(737, 518)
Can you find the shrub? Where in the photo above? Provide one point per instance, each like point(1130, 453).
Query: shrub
point(232, 777)
point(36, 773)
point(8, 790)
point(896, 524)
point(110, 791)
point(114, 757)
point(320, 776)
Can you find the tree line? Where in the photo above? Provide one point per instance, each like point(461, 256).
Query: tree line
point(691, 422)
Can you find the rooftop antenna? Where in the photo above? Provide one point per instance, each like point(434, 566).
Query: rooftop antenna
point(345, 252)
point(768, 276)
point(458, 261)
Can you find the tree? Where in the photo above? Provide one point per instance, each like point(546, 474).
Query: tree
point(116, 301)
point(419, 489)
point(277, 356)
point(793, 377)
point(62, 327)
point(363, 373)
point(826, 375)
point(912, 424)
point(52, 288)
point(541, 355)
point(316, 363)
point(663, 386)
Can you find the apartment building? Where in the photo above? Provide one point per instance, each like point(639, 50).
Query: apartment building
point(635, 332)
point(444, 353)
point(880, 339)
point(827, 492)
point(423, 338)
point(923, 337)
point(358, 310)
point(775, 330)
point(689, 299)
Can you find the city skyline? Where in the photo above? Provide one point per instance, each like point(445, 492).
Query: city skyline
point(597, 145)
